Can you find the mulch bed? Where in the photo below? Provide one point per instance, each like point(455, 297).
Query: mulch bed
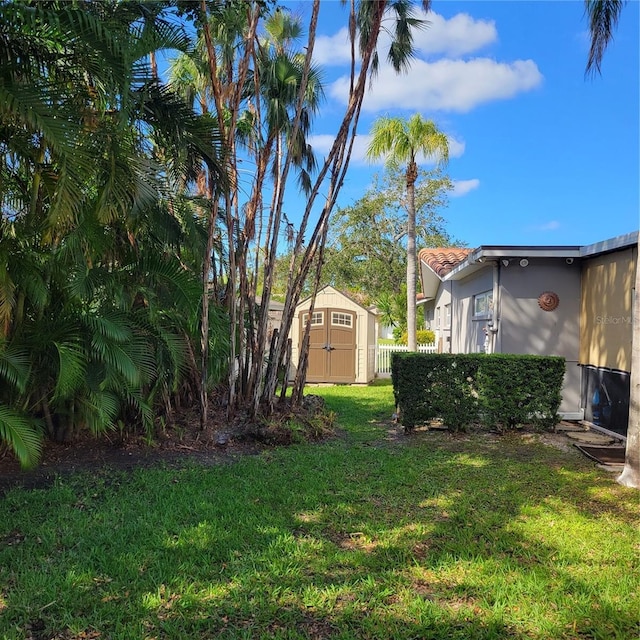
point(176, 445)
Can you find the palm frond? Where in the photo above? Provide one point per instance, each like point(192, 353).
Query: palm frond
point(22, 434)
point(72, 360)
point(14, 365)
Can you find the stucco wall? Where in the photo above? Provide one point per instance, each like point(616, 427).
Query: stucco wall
point(526, 328)
point(441, 327)
point(605, 314)
point(467, 334)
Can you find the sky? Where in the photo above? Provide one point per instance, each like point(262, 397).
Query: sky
point(539, 153)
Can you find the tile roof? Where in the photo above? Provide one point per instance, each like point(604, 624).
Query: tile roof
point(443, 259)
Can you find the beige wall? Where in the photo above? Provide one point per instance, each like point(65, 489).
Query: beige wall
point(605, 313)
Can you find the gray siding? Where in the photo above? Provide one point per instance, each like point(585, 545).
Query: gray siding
point(467, 335)
point(526, 328)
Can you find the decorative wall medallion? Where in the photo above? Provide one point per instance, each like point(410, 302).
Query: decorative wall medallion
point(548, 301)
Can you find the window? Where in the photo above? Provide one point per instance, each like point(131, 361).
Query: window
point(316, 319)
point(341, 319)
point(428, 318)
point(447, 315)
point(437, 317)
point(483, 303)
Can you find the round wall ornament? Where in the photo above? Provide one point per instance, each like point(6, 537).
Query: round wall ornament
point(548, 301)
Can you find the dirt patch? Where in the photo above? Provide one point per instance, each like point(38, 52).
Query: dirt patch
point(183, 442)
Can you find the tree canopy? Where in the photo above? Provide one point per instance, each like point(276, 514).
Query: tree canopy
point(131, 256)
point(366, 249)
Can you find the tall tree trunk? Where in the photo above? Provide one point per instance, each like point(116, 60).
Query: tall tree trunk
point(204, 314)
point(336, 163)
point(411, 256)
point(303, 363)
point(630, 476)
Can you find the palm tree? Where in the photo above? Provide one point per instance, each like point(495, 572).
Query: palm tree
point(603, 18)
point(402, 141)
point(96, 289)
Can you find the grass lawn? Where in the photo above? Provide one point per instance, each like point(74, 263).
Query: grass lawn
point(431, 536)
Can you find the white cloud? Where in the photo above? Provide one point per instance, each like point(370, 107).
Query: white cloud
point(322, 144)
point(462, 187)
point(457, 36)
point(446, 85)
point(332, 50)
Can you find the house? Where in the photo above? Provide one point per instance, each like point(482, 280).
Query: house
point(342, 346)
point(569, 301)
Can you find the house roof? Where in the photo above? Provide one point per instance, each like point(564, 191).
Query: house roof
point(442, 260)
point(445, 264)
point(612, 244)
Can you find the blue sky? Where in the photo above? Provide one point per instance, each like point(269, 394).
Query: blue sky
point(539, 153)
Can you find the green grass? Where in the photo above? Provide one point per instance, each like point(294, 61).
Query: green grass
point(437, 536)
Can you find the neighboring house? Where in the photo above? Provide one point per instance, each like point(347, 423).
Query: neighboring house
point(342, 346)
point(569, 301)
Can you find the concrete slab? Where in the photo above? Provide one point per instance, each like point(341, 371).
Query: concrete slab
point(588, 437)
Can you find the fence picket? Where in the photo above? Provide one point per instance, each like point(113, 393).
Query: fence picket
point(383, 358)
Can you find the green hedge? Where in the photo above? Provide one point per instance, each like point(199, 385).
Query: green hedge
point(500, 391)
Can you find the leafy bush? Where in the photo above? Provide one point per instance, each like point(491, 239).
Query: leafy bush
point(423, 336)
point(435, 385)
point(515, 389)
point(499, 390)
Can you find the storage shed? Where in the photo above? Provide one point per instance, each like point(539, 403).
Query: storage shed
point(342, 346)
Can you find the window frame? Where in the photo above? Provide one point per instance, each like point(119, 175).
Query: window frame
point(343, 316)
point(305, 317)
point(487, 298)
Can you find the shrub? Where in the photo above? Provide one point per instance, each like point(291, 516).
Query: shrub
point(518, 389)
point(499, 390)
point(423, 336)
point(435, 385)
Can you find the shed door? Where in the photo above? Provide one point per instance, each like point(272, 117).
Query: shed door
point(332, 345)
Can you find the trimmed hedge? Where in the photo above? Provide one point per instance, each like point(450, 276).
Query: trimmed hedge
point(500, 391)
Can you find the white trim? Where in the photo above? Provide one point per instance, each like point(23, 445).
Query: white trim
point(305, 315)
point(343, 316)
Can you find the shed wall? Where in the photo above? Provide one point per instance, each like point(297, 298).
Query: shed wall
point(330, 298)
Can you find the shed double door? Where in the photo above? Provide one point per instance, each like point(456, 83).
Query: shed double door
point(332, 345)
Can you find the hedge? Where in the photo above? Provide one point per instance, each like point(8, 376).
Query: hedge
point(499, 391)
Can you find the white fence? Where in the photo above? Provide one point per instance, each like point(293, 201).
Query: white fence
point(383, 360)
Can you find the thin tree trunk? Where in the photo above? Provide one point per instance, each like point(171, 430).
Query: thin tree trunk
point(630, 476)
point(337, 162)
point(411, 258)
point(204, 315)
point(285, 368)
point(301, 374)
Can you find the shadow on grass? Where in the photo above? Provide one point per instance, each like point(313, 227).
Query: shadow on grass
point(441, 538)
